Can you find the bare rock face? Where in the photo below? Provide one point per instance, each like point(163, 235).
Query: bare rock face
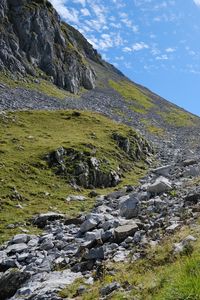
point(10, 282)
point(34, 41)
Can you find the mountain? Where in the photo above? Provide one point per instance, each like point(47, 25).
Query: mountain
point(99, 176)
point(41, 53)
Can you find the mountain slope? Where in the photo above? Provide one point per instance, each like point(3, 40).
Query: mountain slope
point(41, 58)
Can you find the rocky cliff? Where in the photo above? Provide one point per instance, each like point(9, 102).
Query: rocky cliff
point(34, 41)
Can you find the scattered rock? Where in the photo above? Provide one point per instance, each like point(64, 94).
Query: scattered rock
point(75, 198)
point(192, 198)
point(88, 225)
point(172, 228)
point(129, 206)
point(122, 232)
point(108, 289)
point(95, 253)
point(163, 171)
point(42, 219)
point(161, 185)
point(20, 238)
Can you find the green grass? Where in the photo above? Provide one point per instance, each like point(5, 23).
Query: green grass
point(140, 103)
point(158, 131)
point(44, 86)
point(178, 118)
point(136, 109)
point(27, 137)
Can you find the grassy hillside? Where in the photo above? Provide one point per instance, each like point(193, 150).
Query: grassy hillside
point(28, 185)
point(145, 103)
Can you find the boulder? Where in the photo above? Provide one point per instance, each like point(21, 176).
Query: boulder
point(42, 219)
point(192, 198)
point(161, 185)
point(10, 282)
point(122, 232)
point(94, 235)
point(129, 206)
point(16, 248)
point(192, 171)
point(163, 171)
point(20, 238)
point(95, 253)
point(172, 228)
point(88, 225)
point(190, 162)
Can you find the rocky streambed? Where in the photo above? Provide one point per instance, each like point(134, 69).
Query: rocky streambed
point(119, 228)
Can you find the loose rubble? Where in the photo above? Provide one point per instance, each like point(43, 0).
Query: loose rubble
point(120, 227)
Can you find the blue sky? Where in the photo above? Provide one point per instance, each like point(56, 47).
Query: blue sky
point(154, 42)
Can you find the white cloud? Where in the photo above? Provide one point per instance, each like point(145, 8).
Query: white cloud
point(119, 57)
point(162, 57)
point(127, 49)
point(136, 47)
point(197, 2)
point(170, 50)
point(125, 20)
point(139, 46)
point(82, 2)
point(70, 15)
point(155, 51)
point(85, 12)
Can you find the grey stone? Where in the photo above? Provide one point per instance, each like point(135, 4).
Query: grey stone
point(161, 185)
point(42, 219)
point(192, 197)
point(23, 256)
point(46, 245)
point(183, 245)
point(108, 289)
point(7, 263)
point(192, 171)
point(88, 225)
point(120, 256)
point(16, 248)
point(95, 253)
point(189, 162)
point(129, 207)
point(94, 235)
point(10, 282)
point(20, 238)
point(75, 198)
point(163, 171)
point(122, 232)
point(172, 227)
point(33, 242)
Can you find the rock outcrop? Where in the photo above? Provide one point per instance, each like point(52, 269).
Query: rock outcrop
point(84, 168)
point(34, 41)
